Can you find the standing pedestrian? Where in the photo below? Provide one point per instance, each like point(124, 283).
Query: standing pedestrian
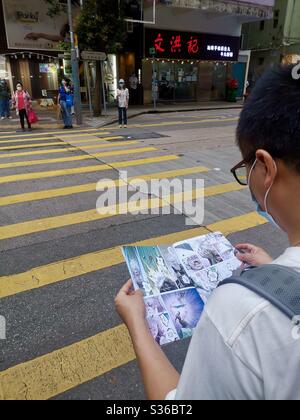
point(4, 100)
point(23, 104)
point(123, 103)
point(66, 101)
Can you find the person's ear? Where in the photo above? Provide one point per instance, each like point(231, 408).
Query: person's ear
point(269, 166)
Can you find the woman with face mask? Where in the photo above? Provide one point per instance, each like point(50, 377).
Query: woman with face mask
point(123, 103)
point(66, 102)
point(23, 104)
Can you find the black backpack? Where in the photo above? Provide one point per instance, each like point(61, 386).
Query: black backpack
point(277, 284)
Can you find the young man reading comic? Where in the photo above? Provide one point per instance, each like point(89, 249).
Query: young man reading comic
point(243, 347)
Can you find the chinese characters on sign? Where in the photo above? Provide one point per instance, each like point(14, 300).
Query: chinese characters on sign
point(176, 44)
point(158, 44)
point(224, 51)
point(186, 45)
point(193, 45)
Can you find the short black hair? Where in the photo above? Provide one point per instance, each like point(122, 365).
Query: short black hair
point(270, 119)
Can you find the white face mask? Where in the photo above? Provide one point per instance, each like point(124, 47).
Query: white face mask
point(19, 88)
point(260, 211)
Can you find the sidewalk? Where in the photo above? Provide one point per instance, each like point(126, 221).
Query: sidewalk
point(48, 117)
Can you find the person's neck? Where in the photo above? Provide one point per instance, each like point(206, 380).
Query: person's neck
point(294, 238)
point(293, 229)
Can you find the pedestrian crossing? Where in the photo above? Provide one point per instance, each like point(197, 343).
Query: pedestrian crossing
point(49, 374)
point(84, 169)
point(65, 138)
point(67, 191)
point(69, 149)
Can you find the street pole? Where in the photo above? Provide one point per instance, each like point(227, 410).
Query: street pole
point(88, 84)
point(75, 68)
point(154, 85)
point(103, 89)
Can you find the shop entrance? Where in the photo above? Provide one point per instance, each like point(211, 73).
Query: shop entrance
point(177, 81)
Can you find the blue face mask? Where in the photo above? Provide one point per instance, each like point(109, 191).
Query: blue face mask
point(264, 213)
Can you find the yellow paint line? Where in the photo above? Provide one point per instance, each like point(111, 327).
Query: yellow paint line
point(64, 138)
point(77, 189)
point(60, 143)
point(71, 219)
point(93, 140)
point(77, 158)
point(67, 149)
point(88, 263)
point(171, 123)
point(53, 133)
point(223, 189)
point(34, 145)
point(56, 222)
point(68, 367)
point(188, 122)
point(86, 169)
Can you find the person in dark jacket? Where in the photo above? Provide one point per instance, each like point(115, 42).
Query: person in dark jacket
point(4, 100)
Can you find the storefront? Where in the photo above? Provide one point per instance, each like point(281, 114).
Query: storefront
point(185, 66)
point(31, 47)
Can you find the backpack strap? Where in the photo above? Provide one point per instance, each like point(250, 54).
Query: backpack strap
point(277, 284)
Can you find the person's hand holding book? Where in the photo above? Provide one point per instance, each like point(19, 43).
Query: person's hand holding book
point(253, 256)
point(130, 306)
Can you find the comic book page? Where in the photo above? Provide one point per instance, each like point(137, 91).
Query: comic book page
point(177, 281)
point(173, 305)
point(207, 260)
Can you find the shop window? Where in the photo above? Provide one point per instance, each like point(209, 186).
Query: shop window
point(177, 81)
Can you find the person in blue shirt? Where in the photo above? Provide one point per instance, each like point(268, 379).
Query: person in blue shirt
point(4, 100)
point(66, 102)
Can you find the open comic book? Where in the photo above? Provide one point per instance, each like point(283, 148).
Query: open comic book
point(177, 281)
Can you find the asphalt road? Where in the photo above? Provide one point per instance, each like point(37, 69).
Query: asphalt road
point(60, 262)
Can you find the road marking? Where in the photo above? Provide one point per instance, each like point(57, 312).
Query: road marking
point(63, 138)
point(69, 148)
point(120, 152)
point(68, 367)
point(50, 133)
point(64, 369)
point(71, 219)
point(32, 146)
point(64, 270)
point(77, 189)
point(86, 169)
point(171, 123)
point(59, 143)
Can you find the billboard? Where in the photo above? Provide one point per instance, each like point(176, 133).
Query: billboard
point(28, 27)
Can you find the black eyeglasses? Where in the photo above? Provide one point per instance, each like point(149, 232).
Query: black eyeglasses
point(240, 171)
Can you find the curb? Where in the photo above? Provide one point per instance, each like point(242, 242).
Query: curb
point(149, 112)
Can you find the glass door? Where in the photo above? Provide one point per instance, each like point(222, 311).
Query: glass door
point(186, 77)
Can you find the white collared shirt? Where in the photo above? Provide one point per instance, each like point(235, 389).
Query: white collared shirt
point(243, 348)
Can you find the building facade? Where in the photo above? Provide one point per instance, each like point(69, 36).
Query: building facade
point(188, 50)
point(29, 47)
point(275, 40)
point(193, 48)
